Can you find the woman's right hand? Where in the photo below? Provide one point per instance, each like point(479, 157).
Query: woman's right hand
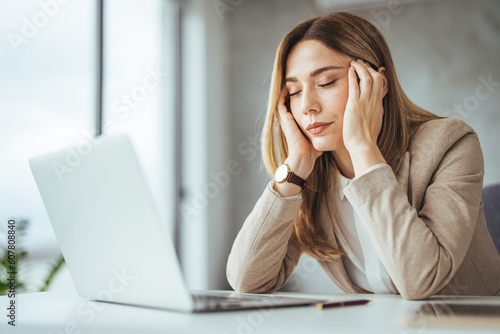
point(301, 153)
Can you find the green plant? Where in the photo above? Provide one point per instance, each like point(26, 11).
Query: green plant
point(9, 267)
point(52, 273)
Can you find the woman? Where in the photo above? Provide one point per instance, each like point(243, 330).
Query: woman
point(385, 195)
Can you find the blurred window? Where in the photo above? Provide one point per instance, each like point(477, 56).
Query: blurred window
point(48, 66)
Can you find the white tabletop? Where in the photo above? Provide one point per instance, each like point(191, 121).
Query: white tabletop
point(66, 312)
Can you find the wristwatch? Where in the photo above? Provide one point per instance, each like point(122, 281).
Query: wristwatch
point(283, 173)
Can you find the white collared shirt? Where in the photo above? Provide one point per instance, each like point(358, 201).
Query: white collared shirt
point(362, 263)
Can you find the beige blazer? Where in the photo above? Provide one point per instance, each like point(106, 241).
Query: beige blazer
point(426, 223)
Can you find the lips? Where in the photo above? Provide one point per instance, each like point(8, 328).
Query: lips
point(317, 127)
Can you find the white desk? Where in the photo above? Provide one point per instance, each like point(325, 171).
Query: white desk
point(66, 312)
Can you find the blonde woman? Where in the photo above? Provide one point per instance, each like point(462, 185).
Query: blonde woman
point(384, 194)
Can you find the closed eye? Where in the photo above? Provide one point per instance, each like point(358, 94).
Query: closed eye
point(328, 83)
point(292, 94)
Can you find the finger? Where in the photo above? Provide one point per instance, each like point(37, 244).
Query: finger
point(287, 121)
point(353, 84)
point(377, 84)
point(283, 94)
point(377, 88)
point(289, 127)
point(378, 79)
point(365, 84)
point(282, 100)
point(365, 79)
point(384, 89)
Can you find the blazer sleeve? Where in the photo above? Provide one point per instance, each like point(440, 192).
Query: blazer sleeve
point(263, 255)
point(422, 250)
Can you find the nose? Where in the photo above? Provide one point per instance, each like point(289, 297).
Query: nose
point(310, 102)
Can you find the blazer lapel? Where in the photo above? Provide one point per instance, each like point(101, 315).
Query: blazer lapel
point(335, 269)
point(403, 176)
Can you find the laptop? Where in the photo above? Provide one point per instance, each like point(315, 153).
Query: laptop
point(115, 246)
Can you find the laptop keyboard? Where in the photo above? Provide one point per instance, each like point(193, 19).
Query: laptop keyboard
point(215, 302)
point(218, 300)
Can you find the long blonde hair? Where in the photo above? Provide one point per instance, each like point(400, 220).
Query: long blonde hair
point(355, 37)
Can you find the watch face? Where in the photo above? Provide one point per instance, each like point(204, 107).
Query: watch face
point(281, 174)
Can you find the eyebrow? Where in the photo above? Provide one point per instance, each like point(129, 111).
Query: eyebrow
point(316, 72)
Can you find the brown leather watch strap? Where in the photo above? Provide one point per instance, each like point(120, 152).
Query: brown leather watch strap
point(292, 178)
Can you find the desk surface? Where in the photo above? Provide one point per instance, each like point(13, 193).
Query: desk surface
point(66, 312)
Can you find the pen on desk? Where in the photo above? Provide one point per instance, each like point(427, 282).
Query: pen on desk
point(342, 304)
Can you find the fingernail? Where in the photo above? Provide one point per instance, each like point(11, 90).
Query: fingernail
point(361, 61)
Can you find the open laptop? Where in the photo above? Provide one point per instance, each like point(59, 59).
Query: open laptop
point(111, 237)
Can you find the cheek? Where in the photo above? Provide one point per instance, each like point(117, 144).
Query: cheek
point(333, 101)
point(336, 100)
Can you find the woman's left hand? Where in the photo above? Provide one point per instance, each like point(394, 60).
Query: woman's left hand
point(364, 110)
point(363, 115)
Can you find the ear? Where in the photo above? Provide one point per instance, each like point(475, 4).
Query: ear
point(383, 71)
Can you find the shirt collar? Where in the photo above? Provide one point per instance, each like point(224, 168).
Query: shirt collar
point(344, 181)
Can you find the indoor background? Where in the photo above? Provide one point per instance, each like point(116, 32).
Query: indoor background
point(188, 81)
